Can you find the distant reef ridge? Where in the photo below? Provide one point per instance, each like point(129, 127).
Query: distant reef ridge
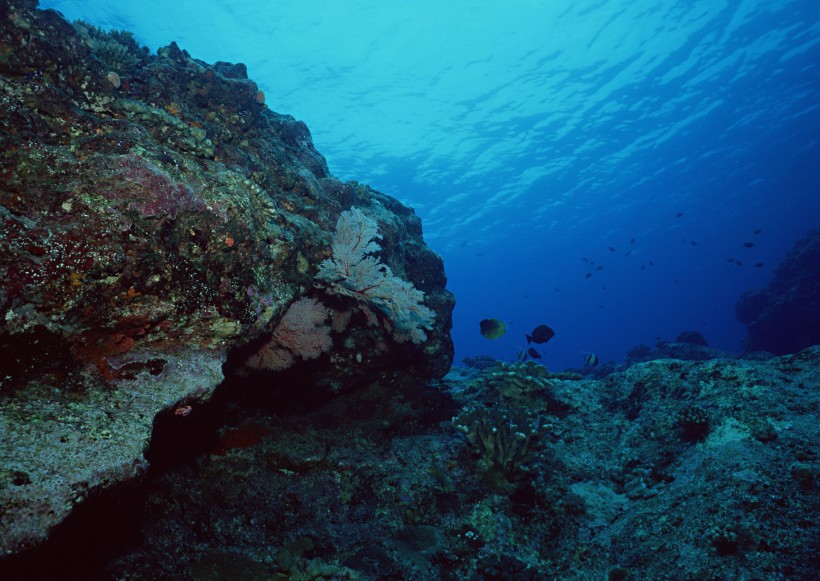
point(784, 317)
point(161, 228)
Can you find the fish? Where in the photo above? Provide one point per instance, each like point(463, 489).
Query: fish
point(533, 353)
point(587, 275)
point(611, 248)
point(632, 241)
point(694, 243)
point(758, 231)
point(541, 334)
point(679, 215)
point(492, 328)
point(590, 360)
point(748, 245)
point(759, 265)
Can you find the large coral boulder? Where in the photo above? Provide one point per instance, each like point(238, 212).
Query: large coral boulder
point(157, 219)
point(784, 317)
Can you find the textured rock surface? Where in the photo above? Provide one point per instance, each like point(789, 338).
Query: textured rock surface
point(667, 470)
point(784, 317)
point(156, 220)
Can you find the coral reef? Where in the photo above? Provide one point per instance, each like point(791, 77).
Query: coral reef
point(159, 222)
point(666, 470)
point(183, 395)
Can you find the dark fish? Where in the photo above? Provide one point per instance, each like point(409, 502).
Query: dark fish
point(759, 265)
point(651, 263)
point(679, 214)
point(632, 241)
point(730, 260)
point(541, 334)
point(694, 243)
point(611, 248)
point(492, 328)
point(587, 275)
point(533, 353)
point(738, 263)
point(758, 231)
point(591, 360)
point(522, 355)
point(748, 245)
point(599, 268)
point(585, 259)
point(643, 267)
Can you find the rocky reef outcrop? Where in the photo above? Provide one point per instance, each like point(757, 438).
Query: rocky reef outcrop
point(688, 345)
point(160, 227)
point(784, 317)
point(666, 470)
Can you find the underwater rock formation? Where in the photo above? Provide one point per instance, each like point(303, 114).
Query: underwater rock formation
point(666, 470)
point(157, 220)
point(688, 345)
point(784, 317)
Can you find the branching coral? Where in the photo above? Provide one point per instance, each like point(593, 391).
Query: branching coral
point(506, 442)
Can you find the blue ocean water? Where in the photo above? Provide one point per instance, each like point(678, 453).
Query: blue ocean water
point(621, 171)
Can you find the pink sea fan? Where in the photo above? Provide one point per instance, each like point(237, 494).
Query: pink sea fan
point(302, 329)
point(271, 357)
point(302, 332)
